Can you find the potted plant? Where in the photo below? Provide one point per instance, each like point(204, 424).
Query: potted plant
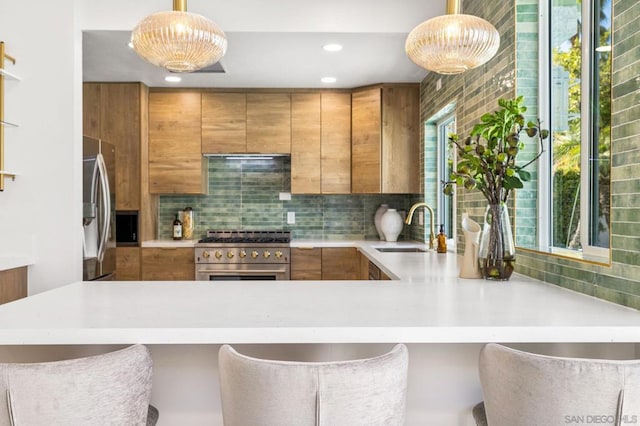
point(487, 162)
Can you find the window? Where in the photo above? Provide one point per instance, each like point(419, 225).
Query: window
point(446, 164)
point(578, 82)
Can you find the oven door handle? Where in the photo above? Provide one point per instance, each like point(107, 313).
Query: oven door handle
point(241, 272)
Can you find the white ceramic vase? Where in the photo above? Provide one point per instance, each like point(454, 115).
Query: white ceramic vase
point(378, 217)
point(471, 229)
point(391, 224)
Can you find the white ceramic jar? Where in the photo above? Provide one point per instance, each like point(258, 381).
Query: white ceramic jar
point(378, 217)
point(391, 224)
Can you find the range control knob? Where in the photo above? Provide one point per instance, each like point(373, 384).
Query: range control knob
point(229, 255)
point(242, 254)
point(278, 254)
point(254, 254)
point(266, 254)
point(206, 254)
point(218, 254)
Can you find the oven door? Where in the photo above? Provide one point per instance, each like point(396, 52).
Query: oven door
point(242, 272)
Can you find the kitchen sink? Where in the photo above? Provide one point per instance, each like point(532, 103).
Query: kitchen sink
point(401, 250)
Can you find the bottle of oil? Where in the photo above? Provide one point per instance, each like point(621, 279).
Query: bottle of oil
point(442, 240)
point(177, 229)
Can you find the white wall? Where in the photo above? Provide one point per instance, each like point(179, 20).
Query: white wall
point(40, 213)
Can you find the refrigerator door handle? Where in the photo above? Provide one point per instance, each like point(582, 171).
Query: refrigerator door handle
point(106, 206)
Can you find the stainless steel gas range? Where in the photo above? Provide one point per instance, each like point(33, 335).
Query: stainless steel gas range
point(243, 255)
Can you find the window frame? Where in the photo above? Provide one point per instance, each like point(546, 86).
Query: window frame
point(587, 137)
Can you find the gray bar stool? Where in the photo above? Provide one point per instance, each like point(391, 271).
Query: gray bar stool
point(526, 389)
point(258, 392)
point(109, 389)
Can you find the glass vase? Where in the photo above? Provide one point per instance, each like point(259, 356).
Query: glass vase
point(497, 252)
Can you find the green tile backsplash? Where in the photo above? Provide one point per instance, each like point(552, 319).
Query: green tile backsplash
point(244, 194)
point(476, 92)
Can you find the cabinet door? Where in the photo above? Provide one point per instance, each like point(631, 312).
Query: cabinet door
point(128, 263)
point(340, 263)
point(305, 143)
point(120, 124)
point(14, 284)
point(269, 123)
point(366, 141)
point(401, 140)
point(91, 102)
point(168, 264)
point(336, 143)
point(224, 123)
point(306, 264)
point(176, 165)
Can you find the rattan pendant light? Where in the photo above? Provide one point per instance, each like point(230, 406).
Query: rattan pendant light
point(453, 43)
point(178, 40)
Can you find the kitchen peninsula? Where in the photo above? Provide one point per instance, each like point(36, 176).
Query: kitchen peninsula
point(444, 320)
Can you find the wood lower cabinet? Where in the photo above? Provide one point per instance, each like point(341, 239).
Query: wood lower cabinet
point(385, 140)
point(340, 263)
point(128, 263)
point(176, 164)
point(168, 264)
point(13, 284)
point(306, 264)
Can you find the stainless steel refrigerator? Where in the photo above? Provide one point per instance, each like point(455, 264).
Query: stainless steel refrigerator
point(98, 206)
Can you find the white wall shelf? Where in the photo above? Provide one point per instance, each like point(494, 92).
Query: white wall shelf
point(8, 174)
point(4, 75)
point(7, 124)
point(8, 75)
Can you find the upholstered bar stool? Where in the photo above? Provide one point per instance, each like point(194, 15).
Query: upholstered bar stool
point(258, 392)
point(109, 389)
point(526, 389)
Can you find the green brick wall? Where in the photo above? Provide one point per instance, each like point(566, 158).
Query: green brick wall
point(243, 194)
point(476, 92)
point(620, 282)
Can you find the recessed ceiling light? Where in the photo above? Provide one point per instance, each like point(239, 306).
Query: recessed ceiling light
point(173, 79)
point(332, 47)
point(328, 79)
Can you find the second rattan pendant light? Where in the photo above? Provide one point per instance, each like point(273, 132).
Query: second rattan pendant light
point(453, 43)
point(178, 40)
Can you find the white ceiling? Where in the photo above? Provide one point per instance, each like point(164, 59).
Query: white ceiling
point(272, 43)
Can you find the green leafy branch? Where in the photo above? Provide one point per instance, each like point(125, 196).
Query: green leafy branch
point(488, 155)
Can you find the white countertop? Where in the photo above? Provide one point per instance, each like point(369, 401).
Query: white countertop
point(12, 262)
point(429, 304)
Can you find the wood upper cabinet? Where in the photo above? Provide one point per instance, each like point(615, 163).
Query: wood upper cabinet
point(305, 144)
point(385, 140)
point(112, 112)
point(168, 264)
point(306, 264)
point(224, 123)
point(269, 123)
point(176, 164)
point(91, 107)
point(321, 143)
point(336, 143)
